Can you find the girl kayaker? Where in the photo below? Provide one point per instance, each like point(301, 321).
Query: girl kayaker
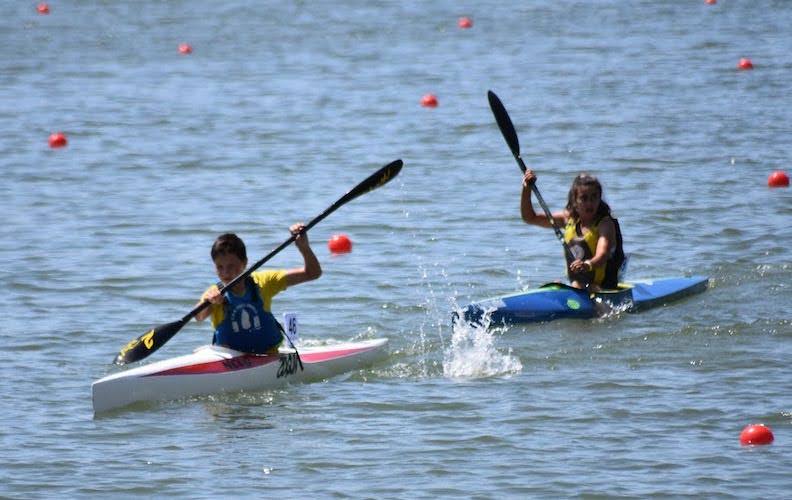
point(592, 234)
point(242, 317)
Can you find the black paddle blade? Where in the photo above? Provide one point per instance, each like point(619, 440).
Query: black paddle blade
point(375, 180)
point(147, 343)
point(372, 182)
point(504, 123)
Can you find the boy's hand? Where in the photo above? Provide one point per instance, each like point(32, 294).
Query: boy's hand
point(301, 237)
point(213, 295)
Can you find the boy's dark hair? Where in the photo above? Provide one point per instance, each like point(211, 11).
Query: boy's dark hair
point(229, 244)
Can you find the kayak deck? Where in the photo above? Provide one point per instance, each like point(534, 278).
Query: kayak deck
point(557, 301)
point(214, 369)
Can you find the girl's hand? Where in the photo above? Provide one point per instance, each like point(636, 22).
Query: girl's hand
point(529, 178)
point(580, 266)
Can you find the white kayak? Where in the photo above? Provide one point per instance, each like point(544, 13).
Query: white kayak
point(213, 369)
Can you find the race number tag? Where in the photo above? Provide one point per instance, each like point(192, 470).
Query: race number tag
point(290, 325)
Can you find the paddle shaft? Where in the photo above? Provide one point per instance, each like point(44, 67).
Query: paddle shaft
point(546, 210)
point(155, 338)
point(510, 135)
point(316, 220)
point(203, 305)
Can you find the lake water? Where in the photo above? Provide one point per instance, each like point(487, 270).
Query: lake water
point(283, 107)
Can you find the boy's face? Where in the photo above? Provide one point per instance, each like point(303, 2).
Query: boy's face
point(228, 267)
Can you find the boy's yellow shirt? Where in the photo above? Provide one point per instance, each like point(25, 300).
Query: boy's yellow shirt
point(270, 283)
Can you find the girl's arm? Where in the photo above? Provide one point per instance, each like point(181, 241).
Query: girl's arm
point(607, 238)
point(526, 206)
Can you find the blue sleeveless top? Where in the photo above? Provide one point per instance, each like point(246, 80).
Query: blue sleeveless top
point(246, 326)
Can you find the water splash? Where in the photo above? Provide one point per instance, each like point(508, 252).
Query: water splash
point(472, 352)
point(607, 310)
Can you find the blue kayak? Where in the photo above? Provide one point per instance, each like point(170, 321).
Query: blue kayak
point(557, 300)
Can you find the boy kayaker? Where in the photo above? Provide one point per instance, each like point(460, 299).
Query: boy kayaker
point(241, 316)
point(592, 234)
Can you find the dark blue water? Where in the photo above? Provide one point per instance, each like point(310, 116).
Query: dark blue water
point(279, 110)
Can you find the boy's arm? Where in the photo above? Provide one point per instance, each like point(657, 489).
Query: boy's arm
point(311, 269)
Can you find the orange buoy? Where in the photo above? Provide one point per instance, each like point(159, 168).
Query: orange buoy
point(756, 434)
point(745, 63)
point(339, 243)
point(429, 101)
point(465, 23)
point(185, 48)
point(57, 140)
point(778, 179)
point(42, 8)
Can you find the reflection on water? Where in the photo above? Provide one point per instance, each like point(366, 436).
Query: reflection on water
point(240, 411)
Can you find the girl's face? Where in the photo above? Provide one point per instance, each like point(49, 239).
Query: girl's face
point(228, 267)
point(587, 200)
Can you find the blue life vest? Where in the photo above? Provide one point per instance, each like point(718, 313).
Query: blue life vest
point(246, 326)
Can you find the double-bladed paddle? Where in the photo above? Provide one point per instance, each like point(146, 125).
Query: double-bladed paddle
point(155, 338)
point(510, 134)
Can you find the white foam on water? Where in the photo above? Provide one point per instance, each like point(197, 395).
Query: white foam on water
point(472, 352)
point(606, 310)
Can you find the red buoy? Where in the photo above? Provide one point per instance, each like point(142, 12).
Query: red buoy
point(756, 434)
point(42, 8)
point(429, 101)
point(778, 179)
point(745, 63)
point(710, 2)
point(339, 243)
point(465, 23)
point(185, 48)
point(57, 140)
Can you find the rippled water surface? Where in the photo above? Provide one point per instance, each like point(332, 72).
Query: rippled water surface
point(279, 110)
